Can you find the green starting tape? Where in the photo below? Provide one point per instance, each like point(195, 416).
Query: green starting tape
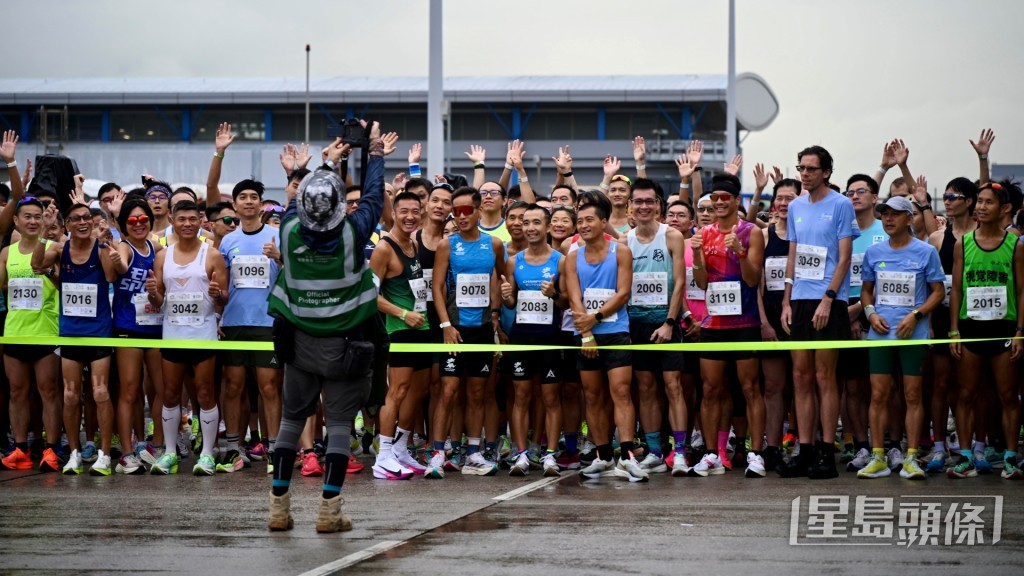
point(401, 347)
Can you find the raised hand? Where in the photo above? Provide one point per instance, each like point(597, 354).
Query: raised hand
point(921, 190)
point(733, 167)
point(113, 255)
point(415, 153)
point(516, 149)
point(151, 283)
point(900, 151)
point(8, 146)
point(684, 166)
point(337, 149)
point(78, 195)
point(760, 176)
point(506, 290)
point(612, 165)
point(477, 154)
point(374, 130)
point(289, 158)
point(224, 137)
point(732, 241)
point(563, 162)
point(50, 216)
point(697, 241)
point(400, 181)
point(888, 157)
point(116, 202)
point(639, 150)
point(695, 152)
point(270, 249)
point(390, 140)
point(302, 155)
point(984, 142)
point(777, 175)
point(27, 176)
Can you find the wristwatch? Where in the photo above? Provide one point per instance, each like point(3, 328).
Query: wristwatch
point(830, 293)
point(917, 314)
point(671, 322)
point(599, 316)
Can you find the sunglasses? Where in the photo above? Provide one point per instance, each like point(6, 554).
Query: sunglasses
point(463, 210)
point(953, 197)
point(81, 218)
point(140, 219)
point(229, 221)
point(720, 197)
point(273, 208)
point(705, 209)
point(621, 178)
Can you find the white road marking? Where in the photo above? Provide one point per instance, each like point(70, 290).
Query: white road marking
point(527, 489)
point(355, 557)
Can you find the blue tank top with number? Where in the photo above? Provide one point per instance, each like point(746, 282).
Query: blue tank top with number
point(529, 277)
point(466, 257)
point(601, 276)
point(90, 307)
point(131, 283)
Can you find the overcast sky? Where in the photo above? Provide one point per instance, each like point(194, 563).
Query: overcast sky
point(849, 75)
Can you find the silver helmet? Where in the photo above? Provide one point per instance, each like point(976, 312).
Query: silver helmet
point(321, 201)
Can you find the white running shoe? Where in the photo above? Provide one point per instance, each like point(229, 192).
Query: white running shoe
point(406, 460)
point(630, 469)
point(521, 467)
point(653, 464)
point(709, 465)
point(550, 465)
point(860, 460)
point(755, 466)
point(679, 465)
point(477, 465)
point(74, 464)
point(597, 468)
point(387, 467)
point(435, 469)
point(697, 441)
point(895, 457)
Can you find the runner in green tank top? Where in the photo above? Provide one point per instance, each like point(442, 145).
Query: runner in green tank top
point(988, 281)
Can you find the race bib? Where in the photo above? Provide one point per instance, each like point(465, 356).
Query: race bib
point(533, 307)
point(250, 271)
point(810, 262)
point(25, 294)
point(79, 300)
point(428, 278)
point(775, 273)
point(473, 290)
point(948, 285)
point(896, 288)
point(145, 313)
point(856, 265)
point(693, 292)
point(185, 308)
point(595, 298)
point(723, 299)
point(650, 289)
point(986, 302)
point(420, 293)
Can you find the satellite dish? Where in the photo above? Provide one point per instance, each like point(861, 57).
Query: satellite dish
point(756, 104)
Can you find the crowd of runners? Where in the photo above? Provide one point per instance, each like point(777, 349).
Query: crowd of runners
point(571, 268)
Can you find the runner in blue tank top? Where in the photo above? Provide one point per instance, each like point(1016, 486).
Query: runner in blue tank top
point(86, 270)
point(135, 317)
point(598, 280)
point(470, 261)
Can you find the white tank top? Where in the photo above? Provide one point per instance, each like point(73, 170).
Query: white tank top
point(188, 308)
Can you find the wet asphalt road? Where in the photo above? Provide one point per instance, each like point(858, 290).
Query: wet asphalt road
point(216, 525)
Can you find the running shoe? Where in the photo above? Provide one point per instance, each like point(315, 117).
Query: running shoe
point(89, 453)
point(206, 466)
point(697, 441)
point(504, 447)
point(895, 458)
point(184, 444)
point(521, 467)
point(477, 465)
point(311, 464)
point(130, 464)
point(772, 457)
point(630, 469)
point(146, 453)
point(270, 463)
point(587, 446)
point(877, 467)
point(723, 457)
point(405, 459)
point(824, 465)
point(788, 442)
point(912, 470)
point(456, 461)
point(354, 466)
point(981, 464)
point(680, 467)
point(50, 462)
point(166, 464)
point(755, 466)
point(435, 468)
point(568, 461)
point(597, 468)
point(491, 454)
point(387, 467)
point(257, 452)
point(709, 465)
point(102, 465)
point(964, 468)
point(936, 461)
point(74, 465)
point(994, 457)
point(860, 460)
point(550, 464)
point(231, 462)
point(847, 454)
point(534, 455)
point(1011, 471)
point(18, 460)
point(653, 464)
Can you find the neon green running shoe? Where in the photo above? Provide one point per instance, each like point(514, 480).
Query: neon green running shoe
point(166, 464)
point(877, 467)
point(205, 467)
point(912, 470)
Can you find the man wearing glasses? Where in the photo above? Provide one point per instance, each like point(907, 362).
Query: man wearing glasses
point(223, 220)
point(158, 194)
point(253, 260)
point(492, 200)
point(820, 229)
point(862, 190)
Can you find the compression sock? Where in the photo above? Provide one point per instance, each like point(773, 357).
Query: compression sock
point(654, 442)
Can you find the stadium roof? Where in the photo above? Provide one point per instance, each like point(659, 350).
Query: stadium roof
point(411, 89)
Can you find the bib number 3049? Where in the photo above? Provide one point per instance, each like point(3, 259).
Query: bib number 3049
point(810, 261)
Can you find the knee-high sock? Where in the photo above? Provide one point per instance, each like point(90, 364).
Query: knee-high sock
point(208, 423)
point(171, 417)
